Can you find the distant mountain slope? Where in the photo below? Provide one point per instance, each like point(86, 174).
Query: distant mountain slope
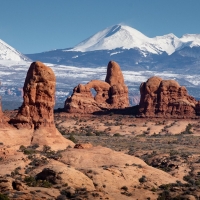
point(9, 53)
point(131, 49)
point(125, 37)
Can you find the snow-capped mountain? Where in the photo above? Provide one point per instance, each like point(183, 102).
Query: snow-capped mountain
point(132, 50)
point(9, 53)
point(125, 37)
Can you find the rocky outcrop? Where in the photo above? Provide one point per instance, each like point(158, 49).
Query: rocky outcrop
point(36, 115)
point(113, 93)
point(165, 98)
point(39, 100)
point(83, 146)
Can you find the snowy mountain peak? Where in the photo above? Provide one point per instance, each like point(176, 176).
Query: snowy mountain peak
point(9, 53)
point(126, 37)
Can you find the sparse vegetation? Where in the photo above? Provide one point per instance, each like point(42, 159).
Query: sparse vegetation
point(187, 129)
point(143, 179)
point(3, 197)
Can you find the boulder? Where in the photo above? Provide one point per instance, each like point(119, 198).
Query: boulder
point(165, 98)
point(111, 94)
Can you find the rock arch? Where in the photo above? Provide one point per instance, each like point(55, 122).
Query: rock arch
point(111, 93)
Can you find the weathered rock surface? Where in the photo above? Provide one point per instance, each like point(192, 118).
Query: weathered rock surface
point(113, 93)
point(83, 146)
point(165, 98)
point(39, 101)
point(35, 118)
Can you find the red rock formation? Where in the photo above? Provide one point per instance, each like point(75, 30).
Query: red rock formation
point(39, 91)
point(36, 115)
point(113, 93)
point(165, 98)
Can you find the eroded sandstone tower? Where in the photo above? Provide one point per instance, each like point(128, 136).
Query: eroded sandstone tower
point(111, 94)
point(39, 100)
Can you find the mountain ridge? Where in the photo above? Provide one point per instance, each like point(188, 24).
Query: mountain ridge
point(126, 37)
point(7, 52)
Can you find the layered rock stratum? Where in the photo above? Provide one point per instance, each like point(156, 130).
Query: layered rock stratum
point(111, 94)
point(165, 98)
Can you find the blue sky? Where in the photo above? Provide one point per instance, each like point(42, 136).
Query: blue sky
point(42, 25)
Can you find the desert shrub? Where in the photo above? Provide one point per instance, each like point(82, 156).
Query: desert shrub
point(164, 195)
point(30, 181)
point(39, 161)
point(153, 189)
point(124, 188)
point(189, 179)
point(116, 135)
point(46, 149)
point(187, 129)
point(35, 146)
point(45, 184)
point(95, 194)
point(173, 152)
point(72, 138)
point(22, 148)
point(142, 179)
point(89, 134)
point(29, 151)
point(61, 197)
point(99, 133)
point(165, 186)
point(126, 193)
point(3, 197)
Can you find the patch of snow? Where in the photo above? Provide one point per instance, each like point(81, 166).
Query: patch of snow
point(115, 53)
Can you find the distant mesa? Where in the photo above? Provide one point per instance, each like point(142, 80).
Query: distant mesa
point(166, 98)
point(113, 93)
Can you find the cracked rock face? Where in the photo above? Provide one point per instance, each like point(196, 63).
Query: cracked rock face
point(39, 100)
point(165, 98)
point(111, 94)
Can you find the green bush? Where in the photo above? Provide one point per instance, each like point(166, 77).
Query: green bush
point(3, 197)
point(89, 134)
point(187, 129)
point(72, 138)
point(116, 135)
point(142, 179)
